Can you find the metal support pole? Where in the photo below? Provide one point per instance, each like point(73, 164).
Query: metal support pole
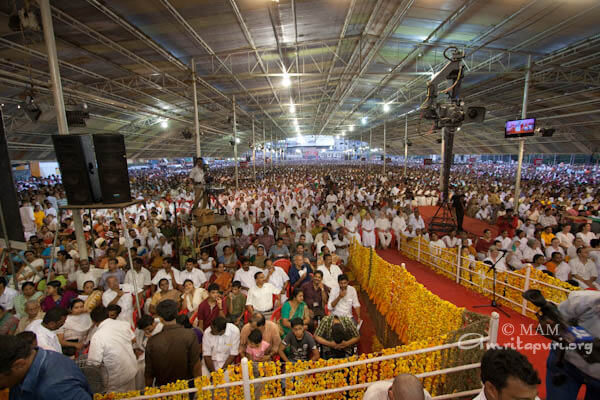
point(272, 150)
point(235, 153)
point(264, 150)
point(79, 235)
point(405, 144)
point(196, 120)
point(127, 243)
point(59, 104)
point(384, 146)
point(253, 151)
point(447, 143)
point(522, 141)
point(370, 142)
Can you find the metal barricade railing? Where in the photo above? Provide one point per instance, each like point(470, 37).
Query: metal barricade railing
point(246, 382)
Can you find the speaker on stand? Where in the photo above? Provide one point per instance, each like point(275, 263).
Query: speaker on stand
point(75, 156)
point(112, 166)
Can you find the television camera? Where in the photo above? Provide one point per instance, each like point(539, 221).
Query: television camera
point(450, 114)
point(565, 333)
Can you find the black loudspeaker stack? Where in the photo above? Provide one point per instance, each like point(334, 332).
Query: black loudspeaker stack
point(8, 194)
point(112, 165)
point(93, 168)
point(75, 156)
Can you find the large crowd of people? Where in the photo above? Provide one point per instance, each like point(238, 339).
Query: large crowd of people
point(272, 284)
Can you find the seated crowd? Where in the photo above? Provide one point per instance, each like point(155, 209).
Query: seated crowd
point(159, 299)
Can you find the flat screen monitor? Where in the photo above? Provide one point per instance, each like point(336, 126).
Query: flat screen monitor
point(519, 128)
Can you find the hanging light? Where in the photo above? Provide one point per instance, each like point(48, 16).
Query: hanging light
point(286, 81)
point(343, 133)
point(295, 122)
point(164, 124)
point(386, 107)
point(364, 120)
point(238, 140)
point(292, 108)
point(351, 128)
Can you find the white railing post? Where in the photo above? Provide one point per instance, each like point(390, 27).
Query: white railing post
point(246, 379)
point(494, 325)
point(418, 249)
point(526, 288)
point(458, 264)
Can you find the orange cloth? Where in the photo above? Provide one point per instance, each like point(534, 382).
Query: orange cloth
point(223, 280)
point(551, 265)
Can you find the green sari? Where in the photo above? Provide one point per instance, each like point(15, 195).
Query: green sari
point(286, 310)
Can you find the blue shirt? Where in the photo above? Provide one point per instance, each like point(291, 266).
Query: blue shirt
point(52, 376)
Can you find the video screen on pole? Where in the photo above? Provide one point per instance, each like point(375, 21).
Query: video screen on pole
point(519, 128)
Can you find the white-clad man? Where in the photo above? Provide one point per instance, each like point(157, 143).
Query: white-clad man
point(85, 274)
point(45, 329)
point(169, 273)
point(192, 273)
point(383, 226)
point(27, 219)
point(260, 296)
point(416, 220)
point(343, 298)
point(277, 277)
point(121, 295)
point(112, 346)
point(330, 271)
point(351, 224)
point(246, 275)
point(220, 345)
point(398, 225)
point(138, 277)
point(584, 269)
point(565, 237)
point(495, 258)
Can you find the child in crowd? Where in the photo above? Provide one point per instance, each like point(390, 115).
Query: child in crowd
point(298, 344)
point(257, 347)
point(236, 304)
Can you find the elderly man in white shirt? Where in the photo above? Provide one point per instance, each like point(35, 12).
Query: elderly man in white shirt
point(260, 297)
point(436, 245)
point(169, 273)
point(85, 274)
point(112, 346)
point(330, 271)
point(584, 269)
point(220, 345)
point(122, 295)
point(416, 220)
point(343, 298)
point(45, 329)
point(383, 226)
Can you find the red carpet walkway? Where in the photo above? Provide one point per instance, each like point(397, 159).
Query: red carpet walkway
point(514, 331)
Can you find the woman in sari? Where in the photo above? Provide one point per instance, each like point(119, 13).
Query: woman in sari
point(295, 307)
point(192, 297)
point(258, 260)
point(73, 334)
point(222, 278)
point(56, 297)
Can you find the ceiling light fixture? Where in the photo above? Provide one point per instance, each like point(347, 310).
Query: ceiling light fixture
point(351, 128)
point(292, 108)
point(364, 120)
point(386, 107)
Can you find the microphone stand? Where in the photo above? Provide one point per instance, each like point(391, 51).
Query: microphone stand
point(494, 303)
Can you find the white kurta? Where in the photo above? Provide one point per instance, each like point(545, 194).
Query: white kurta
point(368, 233)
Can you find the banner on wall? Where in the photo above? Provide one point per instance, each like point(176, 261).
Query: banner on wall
point(537, 162)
